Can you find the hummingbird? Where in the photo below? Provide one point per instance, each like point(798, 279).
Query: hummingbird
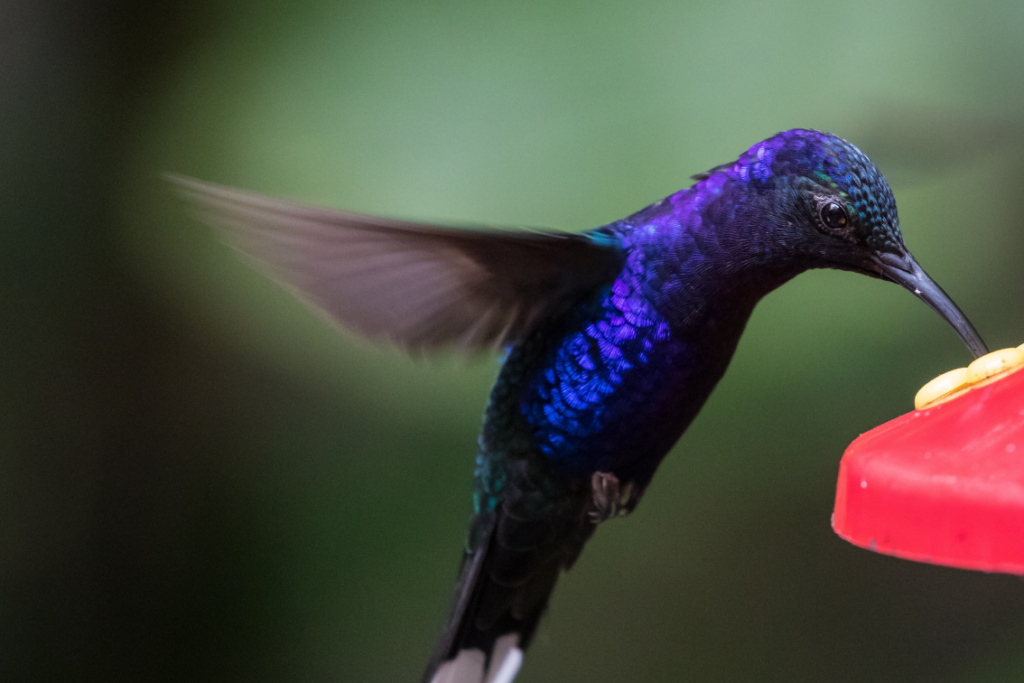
point(614, 339)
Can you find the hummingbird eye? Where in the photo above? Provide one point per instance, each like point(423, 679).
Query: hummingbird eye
point(833, 215)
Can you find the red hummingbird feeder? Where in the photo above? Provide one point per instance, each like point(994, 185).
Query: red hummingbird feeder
point(945, 483)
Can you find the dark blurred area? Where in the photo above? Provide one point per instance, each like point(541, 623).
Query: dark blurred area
point(199, 481)
point(122, 547)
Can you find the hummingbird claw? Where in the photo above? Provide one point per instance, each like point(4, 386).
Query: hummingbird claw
point(609, 498)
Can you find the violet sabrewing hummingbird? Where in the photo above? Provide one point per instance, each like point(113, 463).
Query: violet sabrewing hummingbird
point(614, 337)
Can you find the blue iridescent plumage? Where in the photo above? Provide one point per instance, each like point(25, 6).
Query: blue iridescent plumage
point(615, 340)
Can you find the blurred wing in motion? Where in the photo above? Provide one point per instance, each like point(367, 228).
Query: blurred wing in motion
point(422, 287)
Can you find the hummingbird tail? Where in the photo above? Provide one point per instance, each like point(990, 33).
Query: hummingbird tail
point(503, 589)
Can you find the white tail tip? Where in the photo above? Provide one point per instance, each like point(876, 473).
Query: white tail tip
point(468, 665)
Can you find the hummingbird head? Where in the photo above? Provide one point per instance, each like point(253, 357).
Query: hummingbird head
point(828, 206)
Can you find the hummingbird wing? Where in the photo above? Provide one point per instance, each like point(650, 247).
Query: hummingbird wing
point(419, 286)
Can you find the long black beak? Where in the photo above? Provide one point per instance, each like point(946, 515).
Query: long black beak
point(903, 270)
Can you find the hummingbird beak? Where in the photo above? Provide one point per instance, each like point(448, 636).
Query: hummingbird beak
point(903, 270)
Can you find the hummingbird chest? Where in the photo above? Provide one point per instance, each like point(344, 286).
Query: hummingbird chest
point(611, 392)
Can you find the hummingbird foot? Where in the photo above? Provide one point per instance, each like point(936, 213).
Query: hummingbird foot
point(609, 498)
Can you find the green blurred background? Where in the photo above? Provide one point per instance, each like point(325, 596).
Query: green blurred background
point(201, 481)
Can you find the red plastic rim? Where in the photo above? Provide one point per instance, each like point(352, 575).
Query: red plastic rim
point(943, 485)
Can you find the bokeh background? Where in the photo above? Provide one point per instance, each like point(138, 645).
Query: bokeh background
point(202, 481)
